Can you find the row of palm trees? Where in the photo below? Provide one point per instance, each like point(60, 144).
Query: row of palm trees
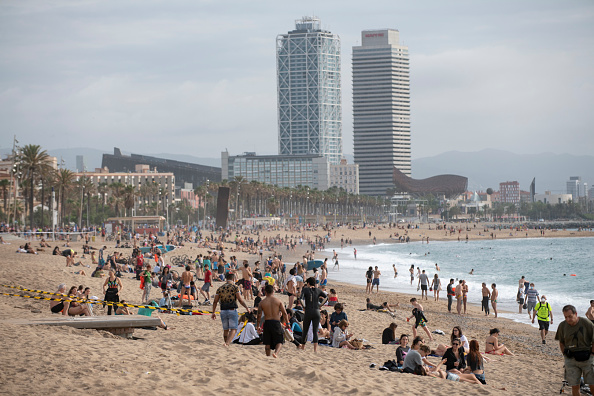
point(81, 201)
point(258, 199)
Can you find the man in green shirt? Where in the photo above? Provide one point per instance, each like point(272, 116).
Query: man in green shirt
point(576, 341)
point(544, 313)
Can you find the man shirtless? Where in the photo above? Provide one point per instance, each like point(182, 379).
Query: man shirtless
point(186, 277)
point(291, 286)
point(376, 280)
point(486, 297)
point(273, 333)
point(246, 273)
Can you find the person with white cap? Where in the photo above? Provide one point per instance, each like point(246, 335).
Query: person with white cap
point(544, 314)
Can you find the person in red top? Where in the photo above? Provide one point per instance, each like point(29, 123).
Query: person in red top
point(139, 265)
point(205, 290)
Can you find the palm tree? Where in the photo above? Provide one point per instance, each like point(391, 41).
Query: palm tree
point(64, 178)
point(128, 196)
point(4, 183)
point(33, 160)
point(117, 189)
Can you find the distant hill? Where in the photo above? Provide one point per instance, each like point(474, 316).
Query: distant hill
point(489, 167)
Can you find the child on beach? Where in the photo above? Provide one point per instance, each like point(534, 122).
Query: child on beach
point(420, 319)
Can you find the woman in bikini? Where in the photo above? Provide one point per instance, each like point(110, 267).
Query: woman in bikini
point(75, 308)
point(494, 295)
point(493, 346)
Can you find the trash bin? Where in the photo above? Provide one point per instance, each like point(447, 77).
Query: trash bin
point(93, 238)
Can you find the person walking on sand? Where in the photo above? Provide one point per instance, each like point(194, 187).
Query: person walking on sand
point(310, 297)
point(486, 298)
point(451, 294)
point(272, 308)
point(420, 319)
point(544, 313)
point(369, 279)
point(576, 341)
point(494, 295)
point(376, 280)
point(464, 294)
point(458, 293)
point(186, 278)
point(423, 284)
point(111, 288)
point(532, 297)
point(148, 282)
point(205, 289)
point(436, 286)
point(520, 298)
point(228, 295)
point(246, 274)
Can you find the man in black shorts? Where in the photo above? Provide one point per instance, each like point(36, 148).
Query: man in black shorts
point(273, 333)
point(369, 277)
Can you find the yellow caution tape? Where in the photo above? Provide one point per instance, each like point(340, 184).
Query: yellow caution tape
point(103, 302)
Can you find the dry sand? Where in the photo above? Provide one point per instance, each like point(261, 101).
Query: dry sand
point(190, 357)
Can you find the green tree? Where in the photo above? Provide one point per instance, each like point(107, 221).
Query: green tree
point(34, 160)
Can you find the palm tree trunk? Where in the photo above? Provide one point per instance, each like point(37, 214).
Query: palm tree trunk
point(42, 201)
point(31, 202)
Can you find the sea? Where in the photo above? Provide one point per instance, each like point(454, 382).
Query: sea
point(561, 268)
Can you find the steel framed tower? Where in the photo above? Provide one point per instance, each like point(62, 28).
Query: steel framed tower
point(381, 110)
point(309, 97)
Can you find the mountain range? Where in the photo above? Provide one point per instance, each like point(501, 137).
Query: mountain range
point(485, 168)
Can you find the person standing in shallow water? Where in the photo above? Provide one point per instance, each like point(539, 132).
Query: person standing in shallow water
point(486, 297)
point(494, 295)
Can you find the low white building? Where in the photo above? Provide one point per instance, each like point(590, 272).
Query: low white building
point(552, 199)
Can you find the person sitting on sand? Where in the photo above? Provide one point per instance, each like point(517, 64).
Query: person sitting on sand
point(402, 349)
point(43, 243)
point(389, 334)
point(341, 337)
point(325, 322)
point(332, 298)
point(247, 335)
point(454, 358)
point(337, 316)
point(456, 333)
point(437, 372)
point(493, 346)
point(475, 362)
point(413, 357)
point(76, 308)
point(56, 251)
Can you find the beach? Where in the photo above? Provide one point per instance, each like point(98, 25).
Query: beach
point(190, 357)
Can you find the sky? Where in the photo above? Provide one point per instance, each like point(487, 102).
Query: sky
point(199, 77)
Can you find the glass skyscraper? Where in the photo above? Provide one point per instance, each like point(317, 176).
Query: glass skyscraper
point(309, 101)
point(381, 110)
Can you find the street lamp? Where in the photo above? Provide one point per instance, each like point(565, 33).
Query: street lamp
point(205, 194)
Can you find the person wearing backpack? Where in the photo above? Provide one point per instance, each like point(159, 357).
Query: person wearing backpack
point(544, 314)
